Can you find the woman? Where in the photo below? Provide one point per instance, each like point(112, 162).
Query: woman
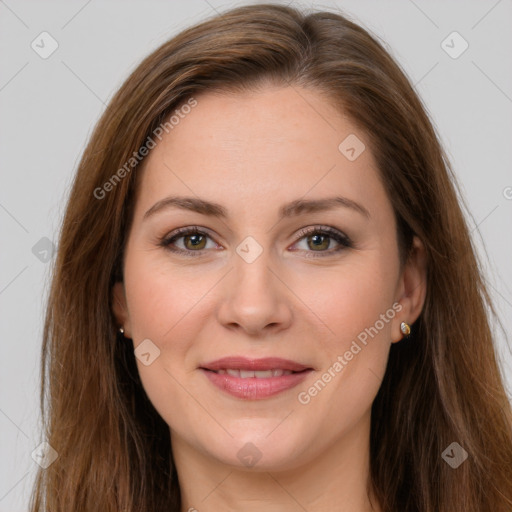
point(199, 352)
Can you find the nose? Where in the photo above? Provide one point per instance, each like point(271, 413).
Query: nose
point(254, 298)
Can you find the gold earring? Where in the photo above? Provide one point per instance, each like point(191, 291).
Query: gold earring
point(405, 328)
point(121, 330)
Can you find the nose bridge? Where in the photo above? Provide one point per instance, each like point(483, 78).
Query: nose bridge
point(254, 298)
point(251, 272)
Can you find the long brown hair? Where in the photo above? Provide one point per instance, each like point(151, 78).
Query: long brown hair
point(442, 386)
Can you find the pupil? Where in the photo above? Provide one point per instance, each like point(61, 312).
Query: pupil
point(318, 240)
point(195, 239)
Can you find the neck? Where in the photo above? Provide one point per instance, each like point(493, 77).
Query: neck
point(335, 479)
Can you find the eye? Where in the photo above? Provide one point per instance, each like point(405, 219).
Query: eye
point(194, 241)
point(319, 238)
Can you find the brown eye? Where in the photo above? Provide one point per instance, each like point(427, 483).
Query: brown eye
point(194, 241)
point(318, 241)
point(187, 241)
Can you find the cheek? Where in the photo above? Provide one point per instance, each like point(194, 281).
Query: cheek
point(350, 300)
point(358, 310)
point(162, 297)
point(357, 306)
point(169, 306)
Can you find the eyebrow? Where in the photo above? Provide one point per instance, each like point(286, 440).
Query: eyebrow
point(294, 208)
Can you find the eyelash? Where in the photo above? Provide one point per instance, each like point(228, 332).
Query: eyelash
point(336, 235)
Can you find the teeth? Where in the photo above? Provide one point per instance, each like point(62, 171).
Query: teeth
point(263, 374)
point(259, 374)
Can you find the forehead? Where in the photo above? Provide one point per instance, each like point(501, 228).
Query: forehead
point(281, 143)
point(251, 121)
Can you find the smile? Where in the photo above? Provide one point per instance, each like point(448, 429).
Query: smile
point(258, 374)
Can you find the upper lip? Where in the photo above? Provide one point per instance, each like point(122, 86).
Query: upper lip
point(244, 363)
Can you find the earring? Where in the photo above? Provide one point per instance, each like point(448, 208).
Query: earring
point(121, 330)
point(405, 328)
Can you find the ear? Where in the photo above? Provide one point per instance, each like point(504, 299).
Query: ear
point(120, 308)
point(412, 288)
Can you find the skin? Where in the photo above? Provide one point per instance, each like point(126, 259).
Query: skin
point(253, 152)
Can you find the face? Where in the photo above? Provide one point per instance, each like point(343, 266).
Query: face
point(277, 268)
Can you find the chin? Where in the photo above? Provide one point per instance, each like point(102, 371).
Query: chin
point(260, 451)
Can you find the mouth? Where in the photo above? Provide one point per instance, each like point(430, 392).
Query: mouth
point(258, 374)
point(265, 364)
point(255, 379)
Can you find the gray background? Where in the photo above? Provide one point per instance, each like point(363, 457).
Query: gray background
point(49, 106)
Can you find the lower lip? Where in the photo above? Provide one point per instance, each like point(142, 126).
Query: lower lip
point(254, 388)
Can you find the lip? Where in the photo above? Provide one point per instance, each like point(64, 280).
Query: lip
point(244, 363)
point(255, 388)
